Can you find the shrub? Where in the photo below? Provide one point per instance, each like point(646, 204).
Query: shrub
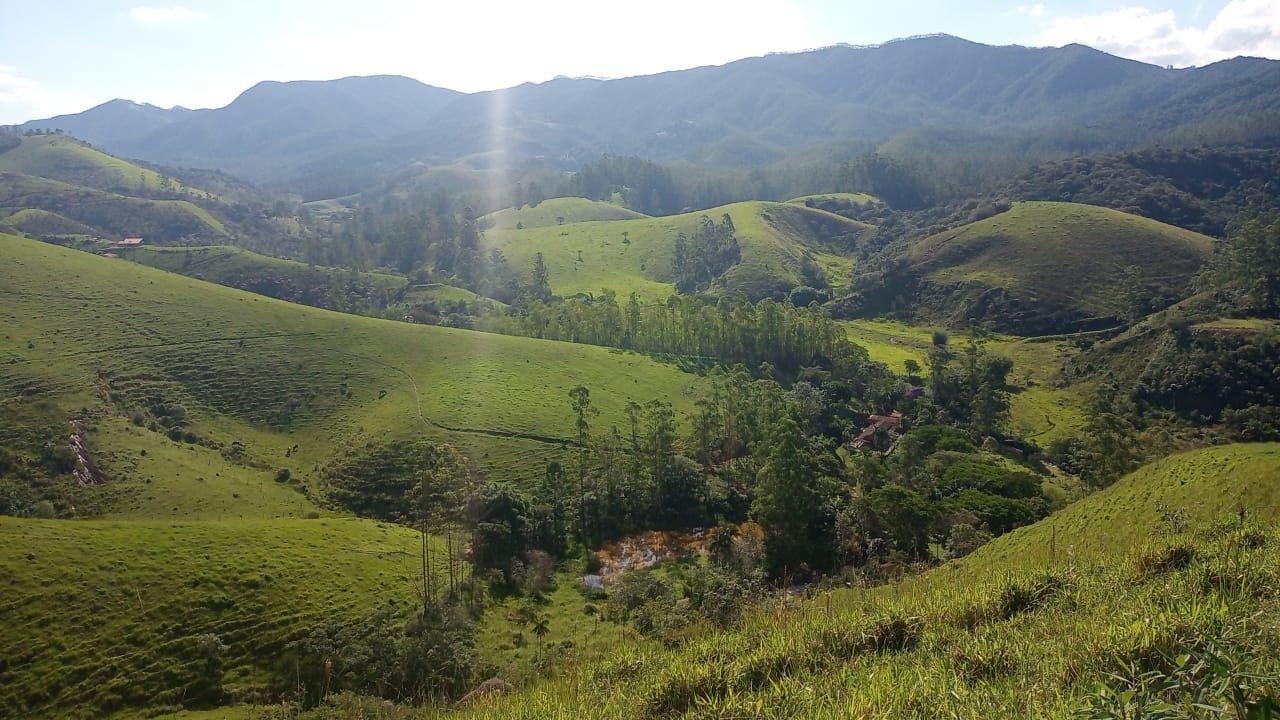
point(283, 475)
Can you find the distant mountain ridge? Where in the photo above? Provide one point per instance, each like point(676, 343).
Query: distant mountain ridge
point(746, 112)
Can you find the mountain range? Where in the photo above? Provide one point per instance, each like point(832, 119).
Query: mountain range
point(746, 113)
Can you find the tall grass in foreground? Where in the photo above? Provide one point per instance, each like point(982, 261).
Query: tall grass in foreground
point(1185, 626)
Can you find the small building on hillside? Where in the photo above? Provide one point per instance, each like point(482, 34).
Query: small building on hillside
point(877, 425)
point(127, 242)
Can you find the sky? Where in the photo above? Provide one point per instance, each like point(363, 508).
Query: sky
point(69, 55)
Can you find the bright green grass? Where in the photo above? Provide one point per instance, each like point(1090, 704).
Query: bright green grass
point(100, 615)
point(558, 211)
point(156, 478)
point(72, 161)
point(1208, 485)
point(635, 255)
point(1064, 255)
point(975, 650)
point(272, 375)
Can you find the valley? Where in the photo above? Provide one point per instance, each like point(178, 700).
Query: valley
point(926, 378)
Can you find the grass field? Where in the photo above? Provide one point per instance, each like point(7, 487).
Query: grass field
point(635, 255)
point(1057, 259)
point(107, 338)
point(1026, 627)
point(106, 614)
point(102, 615)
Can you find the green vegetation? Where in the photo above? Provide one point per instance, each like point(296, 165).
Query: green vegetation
point(102, 616)
point(1032, 625)
point(782, 246)
point(330, 288)
point(557, 212)
point(111, 214)
point(68, 160)
point(105, 338)
point(1039, 267)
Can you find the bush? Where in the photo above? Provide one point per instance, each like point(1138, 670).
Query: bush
point(283, 475)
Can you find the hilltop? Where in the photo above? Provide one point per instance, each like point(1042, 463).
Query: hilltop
point(1043, 268)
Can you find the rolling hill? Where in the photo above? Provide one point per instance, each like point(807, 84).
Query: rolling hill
point(192, 401)
point(782, 245)
point(104, 339)
point(1035, 624)
point(1043, 268)
point(55, 186)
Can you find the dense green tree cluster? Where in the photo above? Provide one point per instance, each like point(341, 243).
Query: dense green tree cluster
point(726, 330)
point(698, 260)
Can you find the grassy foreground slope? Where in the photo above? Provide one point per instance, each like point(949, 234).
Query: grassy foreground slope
point(107, 339)
point(102, 615)
point(1046, 267)
point(778, 242)
point(1007, 632)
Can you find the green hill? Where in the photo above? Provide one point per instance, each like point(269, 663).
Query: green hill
point(328, 287)
point(1122, 583)
point(557, 211)
point(782, 246)
point(110, 214)
point(68, 160)
point(1046, 267)
point(109, 339)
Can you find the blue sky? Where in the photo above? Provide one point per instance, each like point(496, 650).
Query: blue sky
point(67, 56)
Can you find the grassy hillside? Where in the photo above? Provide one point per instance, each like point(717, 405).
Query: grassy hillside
point(557, 211)
point(1045, 267)
point(1026, 627)
point(111, 214)
point(778, 241)
point(334, 288)
point(66, 159)
point(110, 339)
point(104, 615)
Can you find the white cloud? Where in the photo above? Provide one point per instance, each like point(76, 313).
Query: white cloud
point(1034, 11)
point(447, 44)
point(22, 99)
point(1242, 27)
point(171, 15)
